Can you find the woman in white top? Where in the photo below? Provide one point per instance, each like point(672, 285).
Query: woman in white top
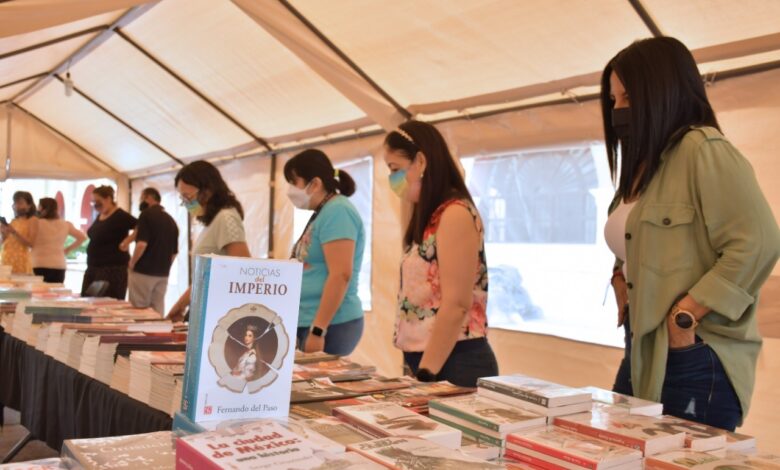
point(49, 250)
point(207, 198)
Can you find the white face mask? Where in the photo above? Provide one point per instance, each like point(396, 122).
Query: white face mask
point(299, 197)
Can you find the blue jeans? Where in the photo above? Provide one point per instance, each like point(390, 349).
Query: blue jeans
point(468, 361)
point(341, 339)
point(697, 388)
point(623, 377)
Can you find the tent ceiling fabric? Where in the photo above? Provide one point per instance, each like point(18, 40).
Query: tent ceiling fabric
point(92, 128)
point(19, 17)
point(440, 50)
point(265, 73)
point(120, 78)
point(703, 23)
point(240, 66)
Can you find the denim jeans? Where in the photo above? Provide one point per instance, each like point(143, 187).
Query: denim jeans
point(695, 386)
point(468, 361)
point(341, 339)
point(623, 377)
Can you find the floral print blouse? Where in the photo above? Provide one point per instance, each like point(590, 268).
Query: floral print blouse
point(419, 298)
point(15, 253)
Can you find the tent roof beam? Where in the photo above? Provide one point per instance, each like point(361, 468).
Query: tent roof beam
point(646, 18)
point(123, 123)
point(51, 42)
point(194, 90)
point(22, 80)
point(128, 17)
point(333, 47)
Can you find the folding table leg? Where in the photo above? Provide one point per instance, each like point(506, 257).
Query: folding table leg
point(17, 447)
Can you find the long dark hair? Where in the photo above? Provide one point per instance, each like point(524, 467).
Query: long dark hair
point(313, 163)
point(49, 208)
point(206, 177)
point(441, 180)
point(26, 197)
point(666, 95)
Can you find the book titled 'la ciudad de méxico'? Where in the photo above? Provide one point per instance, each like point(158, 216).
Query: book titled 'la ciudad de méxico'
point(241, 342)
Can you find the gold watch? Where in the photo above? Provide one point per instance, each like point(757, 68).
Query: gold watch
point(684, 319)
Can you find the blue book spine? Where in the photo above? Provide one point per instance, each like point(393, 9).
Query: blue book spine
point(198, 303)
point(183, 426)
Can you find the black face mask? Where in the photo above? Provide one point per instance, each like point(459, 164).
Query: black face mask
point(98, 206)
point(621, 118)
point(143, 206)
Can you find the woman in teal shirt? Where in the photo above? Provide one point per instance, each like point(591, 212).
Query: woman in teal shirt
point(331, 250)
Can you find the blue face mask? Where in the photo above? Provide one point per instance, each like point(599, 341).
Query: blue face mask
point(398, 182)
point(193, 207)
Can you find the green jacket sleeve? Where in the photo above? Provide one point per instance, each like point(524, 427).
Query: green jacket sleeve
point(740, 226)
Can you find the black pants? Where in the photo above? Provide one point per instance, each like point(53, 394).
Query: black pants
point(468, 361)
point(50, 275)
point(115, 275)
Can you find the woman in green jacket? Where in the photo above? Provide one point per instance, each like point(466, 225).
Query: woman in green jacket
point(693, 236)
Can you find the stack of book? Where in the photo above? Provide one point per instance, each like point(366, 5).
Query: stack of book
point(140, 385)
point(697, 436)
point(695, 460)
point(417, 396)
point(329, 433)
point(120, 377)
point(338, 370)
point(542, 397)
point(43, 464)
point(553, 447)
point(619, 403)
point(388, 420)
point(323, 389)
point(110, 347)
point(650, 435)
point(324, 409)
point(484, 419)
point(258, 445)
point(166, 387)
point(406, 453)
point(149, 451)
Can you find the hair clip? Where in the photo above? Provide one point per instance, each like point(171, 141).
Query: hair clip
point(336, 173)
point(405, 135)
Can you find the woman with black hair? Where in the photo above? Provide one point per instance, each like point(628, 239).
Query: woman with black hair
point(331, 249)
point(693, 236)
point(19, 235)
point(49, 250)
point(209, 199)
point(441, 324)
point(106, 259)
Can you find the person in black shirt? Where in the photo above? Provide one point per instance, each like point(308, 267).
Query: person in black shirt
point(106, 261)
point(156, 245)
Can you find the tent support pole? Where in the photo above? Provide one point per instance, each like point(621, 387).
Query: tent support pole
point(194, 90)
point(644, 15)
point(22, 80)
point(66, 138)
point(51, 42)
point(124, 123)
point(333, 47)
point(271, 203)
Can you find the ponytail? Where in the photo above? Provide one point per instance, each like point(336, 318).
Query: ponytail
point(313, 163)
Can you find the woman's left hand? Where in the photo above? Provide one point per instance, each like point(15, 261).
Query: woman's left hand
point(314, 344)
point(679, 337)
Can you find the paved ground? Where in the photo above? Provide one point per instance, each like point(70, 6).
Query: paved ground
point(12, 432)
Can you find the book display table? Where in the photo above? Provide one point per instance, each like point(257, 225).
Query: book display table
point(57, 402)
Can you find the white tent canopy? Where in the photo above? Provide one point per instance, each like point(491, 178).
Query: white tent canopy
point(247, 83)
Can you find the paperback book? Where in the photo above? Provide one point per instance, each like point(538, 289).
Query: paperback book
point(484, 413)
point(262, 444)
point(330, 434)
point(338, 370)
point(152, 451)
point(631, 405)
point(647, 434)
point(409, 453)
point(241, 343)
point(697, 436)
point(694, 460)
point(42, 464)
point(535, 391)
point(568, 449)
point(384, 420)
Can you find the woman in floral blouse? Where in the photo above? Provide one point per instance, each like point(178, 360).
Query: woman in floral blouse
point(441, 324)
point(19, 235)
